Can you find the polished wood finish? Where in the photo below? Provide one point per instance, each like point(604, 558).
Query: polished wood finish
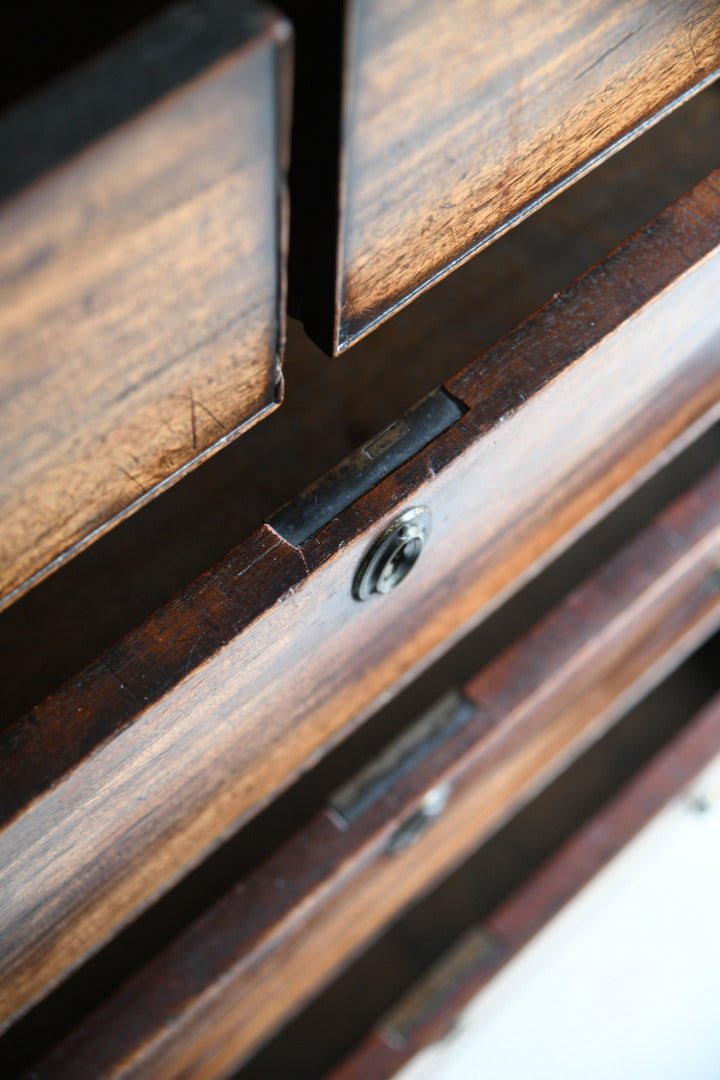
point(141, 273)
point(253, 959)
point(195, 720)
point(450, 121)
point(538, 900)
point(159, 550)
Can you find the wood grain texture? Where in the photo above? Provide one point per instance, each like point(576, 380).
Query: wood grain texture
point(119, 783)
point(159, 550)
point(546, 892)
point(456, 120)
point(141, 278)
point(257, 955)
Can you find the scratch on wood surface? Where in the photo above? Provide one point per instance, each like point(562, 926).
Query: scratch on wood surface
point(608, 52)
point(690, 31)
point(192, 420)
point(196, 404)
point(212, 416)
point(134, 479)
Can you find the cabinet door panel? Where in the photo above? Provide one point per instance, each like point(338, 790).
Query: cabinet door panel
point(141, 270)
point(456, 119)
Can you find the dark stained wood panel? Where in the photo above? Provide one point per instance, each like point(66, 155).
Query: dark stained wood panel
point(457, 118)
point(119, 783)
point(486, 949)
point(257, 955)
point(141, 273)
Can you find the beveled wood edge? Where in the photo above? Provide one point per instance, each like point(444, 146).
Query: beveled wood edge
point(321, 864)
point(532, 907)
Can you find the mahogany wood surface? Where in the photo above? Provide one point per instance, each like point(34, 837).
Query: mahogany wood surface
point(119, 783)
point(257, 955)
point(330, 409)
point(450, 121)
point(141, 272)
point(544, 894)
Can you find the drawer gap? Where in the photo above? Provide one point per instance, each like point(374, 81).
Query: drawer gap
point(328, 1029)
point(300, 520)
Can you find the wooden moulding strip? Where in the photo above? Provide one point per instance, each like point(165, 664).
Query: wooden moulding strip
point(115, 786)
point(212, 997)
point(483, 951)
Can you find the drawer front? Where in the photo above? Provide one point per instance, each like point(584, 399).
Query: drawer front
point(141, 277)
point(457, 119)
point(196, 719)
point(411, 815)
point(620, 911)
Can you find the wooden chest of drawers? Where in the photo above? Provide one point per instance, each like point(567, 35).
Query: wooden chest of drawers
point(144, 294)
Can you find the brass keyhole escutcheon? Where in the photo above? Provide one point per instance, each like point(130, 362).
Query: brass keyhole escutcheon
point(393, 555)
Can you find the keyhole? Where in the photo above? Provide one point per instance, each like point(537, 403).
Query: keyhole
point(393, 556)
